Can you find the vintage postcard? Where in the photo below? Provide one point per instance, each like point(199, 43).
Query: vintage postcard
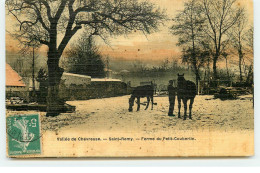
point(129, 78)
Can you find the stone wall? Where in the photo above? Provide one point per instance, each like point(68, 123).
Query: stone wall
point(96, 89)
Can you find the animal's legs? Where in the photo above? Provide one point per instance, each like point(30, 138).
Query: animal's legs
point(152, 102)
point(148, 101)
point(138, 103)
point(179, 107)
point(185, 108)
point(191, 102)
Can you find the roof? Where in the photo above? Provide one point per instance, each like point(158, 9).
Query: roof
point(76, 75)
point(12, 77)
point(104, 80)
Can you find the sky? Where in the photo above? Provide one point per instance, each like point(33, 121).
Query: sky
point(137, 46)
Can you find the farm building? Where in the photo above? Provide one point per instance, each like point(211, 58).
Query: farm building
point(105, 80)
point(15, 86)
point(75, 79)
point(81, 87)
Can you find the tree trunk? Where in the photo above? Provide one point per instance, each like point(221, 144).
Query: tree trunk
point(227, 68)
point(196, 71)
point(215, 74)
point(197, 79)
point(240, 65)
point(250, 75)
point(54, 104)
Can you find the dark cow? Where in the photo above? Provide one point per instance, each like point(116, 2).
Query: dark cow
point(186, 90)
point(140, 92)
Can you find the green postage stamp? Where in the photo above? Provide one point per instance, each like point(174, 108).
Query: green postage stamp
point(23, 133)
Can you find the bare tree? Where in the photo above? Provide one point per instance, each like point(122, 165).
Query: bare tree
point(237, 36)
point(165, 64)
point(221, 16)
point(249, 38)
point(188, 26)
point(54, 22)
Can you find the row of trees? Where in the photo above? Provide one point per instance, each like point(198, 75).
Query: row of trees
point(166, 66)
point(211, 29)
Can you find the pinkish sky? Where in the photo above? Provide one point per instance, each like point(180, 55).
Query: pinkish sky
point(153, 47)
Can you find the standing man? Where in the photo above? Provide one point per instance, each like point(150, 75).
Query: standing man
point(172, 94)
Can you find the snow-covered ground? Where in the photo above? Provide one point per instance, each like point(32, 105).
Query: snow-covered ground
point(208, 113)
point(112, 114)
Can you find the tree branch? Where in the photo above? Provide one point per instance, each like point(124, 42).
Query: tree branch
point(60, 10)
point(47, 6)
